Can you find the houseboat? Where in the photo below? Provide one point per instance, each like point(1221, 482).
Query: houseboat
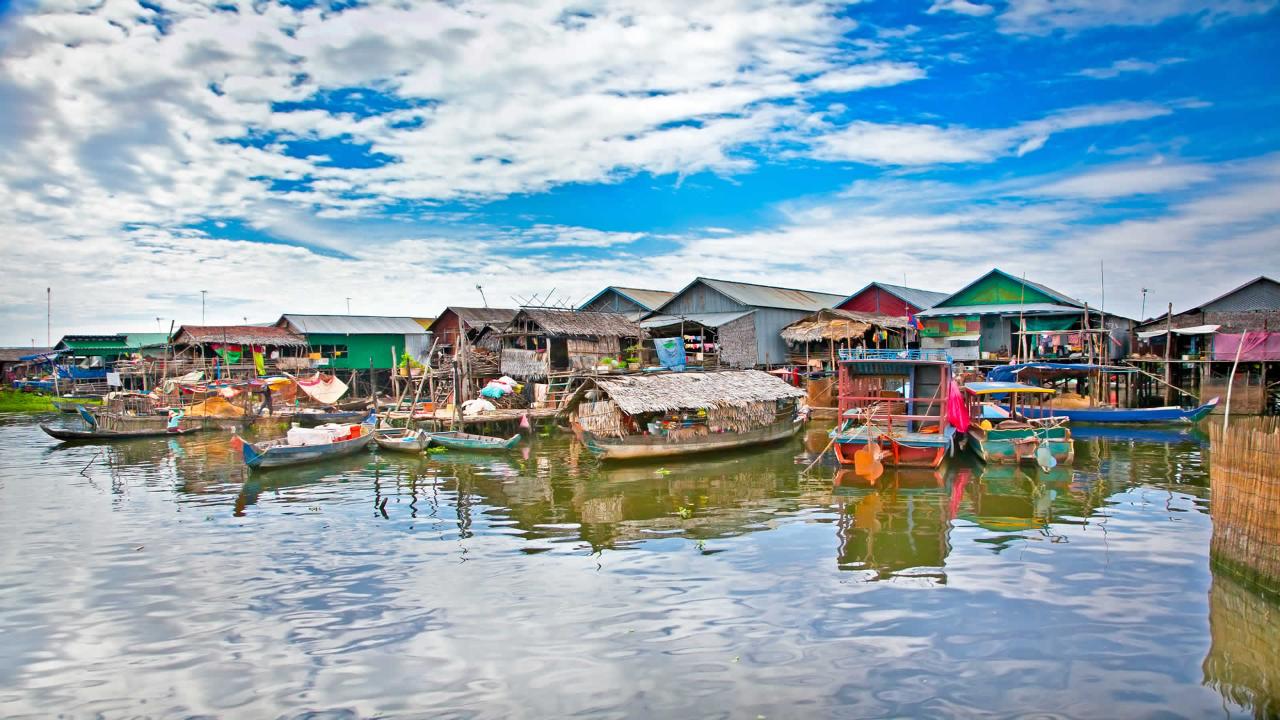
point(1001, 432)
point(634, 417)
point(897, 400)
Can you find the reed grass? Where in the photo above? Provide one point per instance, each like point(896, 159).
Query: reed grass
point(13, 401)
point(1244, 481)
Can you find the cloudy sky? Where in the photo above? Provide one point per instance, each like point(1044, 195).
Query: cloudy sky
point(285, 156)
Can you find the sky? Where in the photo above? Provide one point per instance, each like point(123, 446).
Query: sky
point(300, 156)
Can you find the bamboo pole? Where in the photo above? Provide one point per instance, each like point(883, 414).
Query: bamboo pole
point(1231, 381)
point(1168, 355)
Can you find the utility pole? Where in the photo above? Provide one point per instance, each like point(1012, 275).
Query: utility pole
point(202, 294)
point(348, 306)
point(1143, 314)
point(48, 317)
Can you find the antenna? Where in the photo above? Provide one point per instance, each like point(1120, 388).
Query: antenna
point(482, 297)
point(159, 327)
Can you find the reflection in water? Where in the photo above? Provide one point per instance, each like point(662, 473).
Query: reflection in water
point(543, 584)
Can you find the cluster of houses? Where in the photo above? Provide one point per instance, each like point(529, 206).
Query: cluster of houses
point(709, 323)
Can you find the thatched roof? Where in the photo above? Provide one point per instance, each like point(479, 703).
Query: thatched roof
point(691, 390)
point(238, 335)
point(832, 324)
point(580, 323)
point(482, 317)
point(12, 354)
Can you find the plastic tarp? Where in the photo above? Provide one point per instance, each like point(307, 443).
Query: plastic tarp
point(1257, 346)
point(322, 388)
point(1050, 324)
point(214, 407)
point(670, 352)
point(1197, 330)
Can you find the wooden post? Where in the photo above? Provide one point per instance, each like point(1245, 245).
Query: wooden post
point(373, 385)
point(1168, 355)
point(1231, 381)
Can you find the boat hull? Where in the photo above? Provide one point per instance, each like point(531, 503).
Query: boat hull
point(401, 441)
point(913, 454)
point(1124, 416)
point(281, 455)
point(479, 443)
point(70, 435)
point(1002, 446)
point(647, 447)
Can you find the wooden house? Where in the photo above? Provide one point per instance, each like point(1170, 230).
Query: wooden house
point(541, 342)
point(814, 339)
point(240, 350)
point(18, 362)
point(358, 342)
point(635, 303)
point(1194, 350)
point(735, 324)
point(898, 301)
point(999, 316)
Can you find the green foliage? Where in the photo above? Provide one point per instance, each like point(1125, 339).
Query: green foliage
point(14, 401)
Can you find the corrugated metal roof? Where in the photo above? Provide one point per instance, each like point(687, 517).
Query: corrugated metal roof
point(923, 299)
point(147, 339)
point(1260, 293)
point(711, 320)
point(773, 297)
point(1003, 309)
point(238, 334)
point(352, 324)
point(481, 317)
point(650, 299)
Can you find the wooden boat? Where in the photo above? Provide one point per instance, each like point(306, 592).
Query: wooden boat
point(402, 439)
point(637, 417)
point(872, 385)
point(1000, 435)
point(74, 435)
point(466, 441)
point(277, 453)
point(643, 447)
point(1125, 416)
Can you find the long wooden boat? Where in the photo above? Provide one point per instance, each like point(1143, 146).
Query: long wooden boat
point(1125, 416)
point(402, 439)
point(74, 435)
point(277, 453)
point(466, 441)
point(643, 447)
point(999, 435)
point(914, 430)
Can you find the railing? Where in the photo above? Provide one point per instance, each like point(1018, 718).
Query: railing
point(930, 355)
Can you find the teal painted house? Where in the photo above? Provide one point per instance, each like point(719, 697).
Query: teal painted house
point(352, 342)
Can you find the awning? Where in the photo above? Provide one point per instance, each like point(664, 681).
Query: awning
point(1197, 330)
point(963, 337)
point(708, 320)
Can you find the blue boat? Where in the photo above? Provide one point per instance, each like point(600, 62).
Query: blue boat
point(1102, 415)
point(277, 453)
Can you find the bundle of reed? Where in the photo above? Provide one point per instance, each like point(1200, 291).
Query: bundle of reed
point(601, 417)
point(1243, 663)
point(1245, 493)
point(741, 418)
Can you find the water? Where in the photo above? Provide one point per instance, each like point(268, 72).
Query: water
point(164, 581)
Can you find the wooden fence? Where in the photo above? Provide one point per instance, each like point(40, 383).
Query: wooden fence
point(1244, 481)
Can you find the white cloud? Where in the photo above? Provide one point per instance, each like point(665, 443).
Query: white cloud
point(903, 144)
point(964, 7)
point(858, 77)
point(1130, 65)
point(1042, 17)
point(1126, 181)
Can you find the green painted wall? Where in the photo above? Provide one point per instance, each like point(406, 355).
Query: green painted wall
point(996, 289)
point(360, 349)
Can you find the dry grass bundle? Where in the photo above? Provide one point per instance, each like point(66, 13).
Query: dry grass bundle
point(601, 418)
point(1245, 485)
point(740, 418)
point(669, 392)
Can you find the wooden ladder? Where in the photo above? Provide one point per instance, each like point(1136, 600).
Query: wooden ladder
point(559, 387)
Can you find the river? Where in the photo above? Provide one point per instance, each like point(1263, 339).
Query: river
point(157, 578)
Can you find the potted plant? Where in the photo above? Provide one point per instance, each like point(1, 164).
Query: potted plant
point(409, 366)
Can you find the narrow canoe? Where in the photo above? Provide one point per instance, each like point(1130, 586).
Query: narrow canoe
point(276, 453)
point(71, 435)
point(1124, 416)
point(643, 447)
point(467, 441)
point(402, 440)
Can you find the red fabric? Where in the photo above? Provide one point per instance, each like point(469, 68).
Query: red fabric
point(957, 409)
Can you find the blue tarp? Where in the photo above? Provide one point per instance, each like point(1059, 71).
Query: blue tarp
point(670, 352)
point(1012, 373)
point(79, 373)
point(41, 357)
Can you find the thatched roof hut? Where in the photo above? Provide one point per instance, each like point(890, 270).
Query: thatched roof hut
point(667, 392)
point(835, 325)
point(554, 322)
point(269, 335)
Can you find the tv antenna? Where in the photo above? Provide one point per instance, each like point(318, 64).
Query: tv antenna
point(482, 297)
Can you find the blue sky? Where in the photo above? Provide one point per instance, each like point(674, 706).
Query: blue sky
point(285, 157)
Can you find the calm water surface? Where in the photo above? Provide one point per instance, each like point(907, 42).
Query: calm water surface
point(164, 581)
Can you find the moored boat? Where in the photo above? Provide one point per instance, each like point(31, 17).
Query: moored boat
point(636, 417)
point(467, 441)
point(894, 400)
point(1007, 435)
point(88, 434)
point(402, 439)
point(1043, 373)
point(308, 418)
point(298, 448)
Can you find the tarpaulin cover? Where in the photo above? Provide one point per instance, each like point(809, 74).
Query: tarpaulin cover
point(670, 352)
point(323, 388)
point(1257, 346)
point(214, 407)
